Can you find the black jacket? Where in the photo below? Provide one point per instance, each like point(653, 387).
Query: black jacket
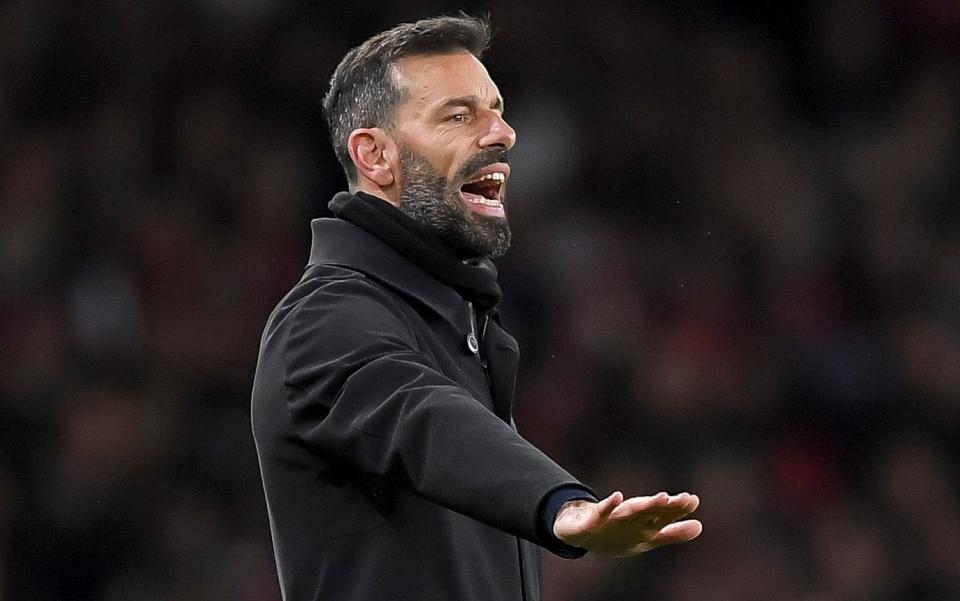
point(391, 465)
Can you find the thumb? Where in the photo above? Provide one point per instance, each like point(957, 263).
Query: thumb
point(606, 506)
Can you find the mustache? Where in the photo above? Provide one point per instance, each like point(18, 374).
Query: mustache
point(481, 160)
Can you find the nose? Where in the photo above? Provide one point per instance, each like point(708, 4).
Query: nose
point(498, 134)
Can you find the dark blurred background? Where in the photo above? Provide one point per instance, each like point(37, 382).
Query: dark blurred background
point(736, 271)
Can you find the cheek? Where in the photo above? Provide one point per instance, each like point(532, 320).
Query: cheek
point(450, 166)
point(447, 150)
point(451, 149)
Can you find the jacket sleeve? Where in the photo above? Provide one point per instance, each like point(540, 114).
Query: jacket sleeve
point(359, 391)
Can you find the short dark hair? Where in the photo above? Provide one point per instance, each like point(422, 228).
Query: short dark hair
point(363, 90)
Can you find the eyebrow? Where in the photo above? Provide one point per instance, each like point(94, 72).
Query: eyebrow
point(471, 101)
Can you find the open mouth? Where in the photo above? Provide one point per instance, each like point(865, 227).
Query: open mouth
point(484, 190)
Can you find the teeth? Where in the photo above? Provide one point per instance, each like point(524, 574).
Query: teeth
point(495, 176)
point(480, 200)
point(498, 178)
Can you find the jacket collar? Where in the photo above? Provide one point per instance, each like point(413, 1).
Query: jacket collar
point(475, 281)
point(340, 243)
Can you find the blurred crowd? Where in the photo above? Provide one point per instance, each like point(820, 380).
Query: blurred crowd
point(736, 271)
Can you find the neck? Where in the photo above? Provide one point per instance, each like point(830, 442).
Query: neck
point(389, 194)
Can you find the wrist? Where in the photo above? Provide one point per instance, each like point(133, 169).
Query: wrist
point(571, 510)
point(550, 507)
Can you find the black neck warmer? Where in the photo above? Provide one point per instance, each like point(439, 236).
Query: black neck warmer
point(475, 280)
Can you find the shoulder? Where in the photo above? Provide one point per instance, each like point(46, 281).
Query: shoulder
point(346, 306)
point(341, 321)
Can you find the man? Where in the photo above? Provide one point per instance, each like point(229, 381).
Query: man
point(382, 398)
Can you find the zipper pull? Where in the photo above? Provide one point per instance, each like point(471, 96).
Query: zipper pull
point(472, 343)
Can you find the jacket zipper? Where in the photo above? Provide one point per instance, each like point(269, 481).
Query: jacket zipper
point(483, 328)
point(483, 364)
point(483, 331)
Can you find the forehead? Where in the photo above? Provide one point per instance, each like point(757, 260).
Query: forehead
point(431, 79)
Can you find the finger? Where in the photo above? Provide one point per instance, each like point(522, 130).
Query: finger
point(647, 507)
point(606, 506)
point(684, 500)
point(681, 505)
point(659, 520)
point(678, 532)
point(634, 504)
point(674, 511)
point(692, 503)
point(654, 518)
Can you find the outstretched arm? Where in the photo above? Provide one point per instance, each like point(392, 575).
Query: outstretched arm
point(361, 394)
point(619, 527)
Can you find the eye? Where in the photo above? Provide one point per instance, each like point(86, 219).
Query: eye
point(458, 118)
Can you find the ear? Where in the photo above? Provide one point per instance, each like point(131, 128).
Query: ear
point(373, 154)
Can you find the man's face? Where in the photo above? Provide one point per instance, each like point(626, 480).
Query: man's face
point(453, 145)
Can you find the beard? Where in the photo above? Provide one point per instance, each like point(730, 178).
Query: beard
point(433, 200)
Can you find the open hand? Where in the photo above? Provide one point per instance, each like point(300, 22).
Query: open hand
point(619, 527)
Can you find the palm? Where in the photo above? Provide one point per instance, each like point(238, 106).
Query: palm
point(615, 526)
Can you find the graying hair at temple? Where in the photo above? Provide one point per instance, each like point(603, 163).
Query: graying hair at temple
point(363, 91)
